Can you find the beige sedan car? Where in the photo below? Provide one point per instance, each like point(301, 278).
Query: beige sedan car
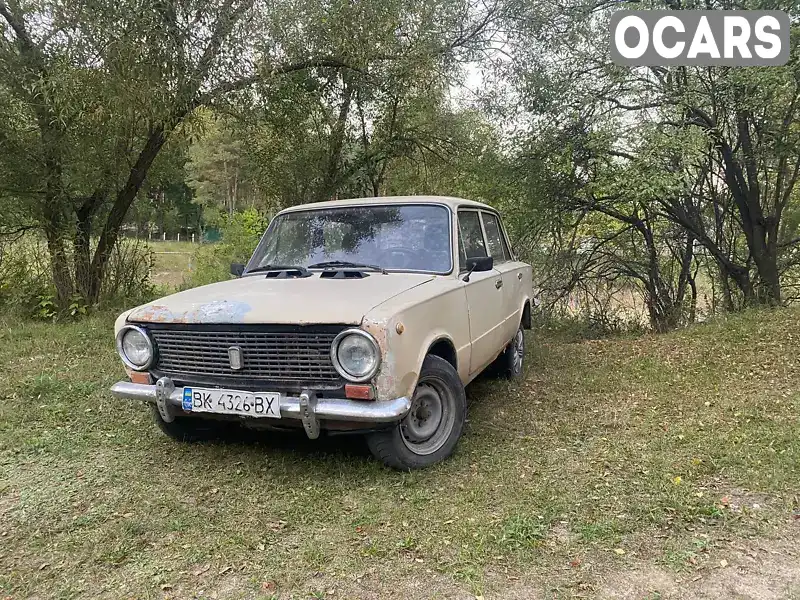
point(367, 315)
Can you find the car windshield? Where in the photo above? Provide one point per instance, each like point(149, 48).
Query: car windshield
point(406, 237)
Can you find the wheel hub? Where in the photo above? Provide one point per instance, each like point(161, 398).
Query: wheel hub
point(518, 346)
point(425, 415)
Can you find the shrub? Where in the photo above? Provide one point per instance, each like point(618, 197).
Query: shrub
point(128, 276)
point(240, 235)
point(25, 280)
point(26, 283)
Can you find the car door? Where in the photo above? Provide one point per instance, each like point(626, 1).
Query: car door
point(510, 273)
point(484, 293)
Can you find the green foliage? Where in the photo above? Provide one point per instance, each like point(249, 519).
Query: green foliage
point(90, 124)
point(25, 278)
point(219, 173)
point(643, 182)
point(26, 288)
point(46, 308)
point(77, 306)
point(240, 235)
point(128, 278)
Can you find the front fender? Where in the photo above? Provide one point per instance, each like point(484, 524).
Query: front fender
point(405, 337)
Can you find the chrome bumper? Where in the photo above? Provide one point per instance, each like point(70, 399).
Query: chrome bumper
point(305, 407)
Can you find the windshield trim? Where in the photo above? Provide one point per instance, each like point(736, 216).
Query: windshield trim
point(362, 205)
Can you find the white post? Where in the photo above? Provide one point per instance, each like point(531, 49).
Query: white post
point(164, 236)
point(179, 237)
point(193, 238)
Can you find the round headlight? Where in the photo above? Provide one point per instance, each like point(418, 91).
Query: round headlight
point(134, 347)
point(355, 355)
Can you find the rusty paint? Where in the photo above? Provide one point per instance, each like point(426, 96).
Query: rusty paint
point(153, 313)
point(385, 380)
point(219, 311)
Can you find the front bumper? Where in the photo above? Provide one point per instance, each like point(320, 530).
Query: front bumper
point(305, 407)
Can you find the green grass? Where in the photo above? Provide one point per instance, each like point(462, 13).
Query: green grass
point(609, 454)
point(173, 260)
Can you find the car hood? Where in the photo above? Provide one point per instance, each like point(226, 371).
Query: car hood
point(257, 299)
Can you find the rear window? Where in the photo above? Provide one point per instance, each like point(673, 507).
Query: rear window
point(494, 237)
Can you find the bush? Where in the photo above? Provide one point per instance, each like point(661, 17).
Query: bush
point(240, 235)
point(25, 280)
point(128, 276)
point(26, 283)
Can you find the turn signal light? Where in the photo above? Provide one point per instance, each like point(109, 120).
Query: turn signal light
point(139, 376)
point(359, 392)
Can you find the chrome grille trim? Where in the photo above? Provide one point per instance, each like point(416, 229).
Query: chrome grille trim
point(280, 353)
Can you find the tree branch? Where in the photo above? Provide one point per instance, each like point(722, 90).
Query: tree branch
point(246, 82)
point(17, 23)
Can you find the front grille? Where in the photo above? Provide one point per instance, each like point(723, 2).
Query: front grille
point(299, 354)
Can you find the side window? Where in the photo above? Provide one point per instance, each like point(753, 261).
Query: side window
point(497, 243)
point(471, 235)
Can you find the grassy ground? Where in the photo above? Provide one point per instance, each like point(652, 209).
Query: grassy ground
point(172, 261)
point(646, 467)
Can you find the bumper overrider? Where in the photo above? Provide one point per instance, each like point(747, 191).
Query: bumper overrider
point(305, 407)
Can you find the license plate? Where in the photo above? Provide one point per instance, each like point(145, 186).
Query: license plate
point(232, 402)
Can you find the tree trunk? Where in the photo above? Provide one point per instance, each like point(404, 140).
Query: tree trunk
point(330, 182)
point(59, 266)
point(125, 197)
point(81, 243)
point(769, 284)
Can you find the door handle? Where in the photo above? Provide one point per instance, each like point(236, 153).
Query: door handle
point(498, 284)
point(519, 276)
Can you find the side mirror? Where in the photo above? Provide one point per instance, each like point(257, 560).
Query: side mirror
point(478, 263)
point(237, 269)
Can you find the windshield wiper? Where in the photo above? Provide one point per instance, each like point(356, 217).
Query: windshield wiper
point(346, 264)
point(263, 268)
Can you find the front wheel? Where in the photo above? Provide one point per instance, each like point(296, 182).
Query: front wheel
point(430, 431)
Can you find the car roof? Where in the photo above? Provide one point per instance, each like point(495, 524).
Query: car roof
point(450, 201)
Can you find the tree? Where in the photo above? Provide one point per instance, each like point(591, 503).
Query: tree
point(99, 111)
point(708, 156)
point(94, 94)
point(218, 170)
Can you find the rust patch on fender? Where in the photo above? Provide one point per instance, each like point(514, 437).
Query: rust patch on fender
point(386, 383)
point(219, 311)
point(155, 313)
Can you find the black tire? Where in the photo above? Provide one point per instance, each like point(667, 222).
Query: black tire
point(510, 363)
point(417, 442)
point(187, 429)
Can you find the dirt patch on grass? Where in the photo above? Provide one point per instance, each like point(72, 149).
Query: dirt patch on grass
point(746, 570)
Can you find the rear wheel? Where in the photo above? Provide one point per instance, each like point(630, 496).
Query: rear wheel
point(187, 429)
point(430, 431)
point(509, 363)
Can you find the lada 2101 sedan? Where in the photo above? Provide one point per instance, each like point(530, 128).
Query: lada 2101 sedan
point(366, 315)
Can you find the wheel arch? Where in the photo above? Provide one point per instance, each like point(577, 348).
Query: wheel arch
point(443, 347)
point(439, 344)
point(527, 318)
